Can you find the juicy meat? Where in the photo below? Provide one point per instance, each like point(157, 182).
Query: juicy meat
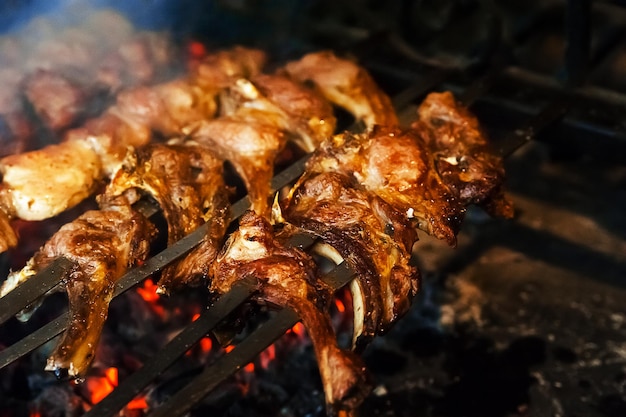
point(306, 115)
point(345, 84)
point(57, 101)
point(287, 277)
point(220, 69)
point(39, 184)
point(251, 146)
point(187, 183)
point(394, 165)
point(461, 153)
point(373, 237)
point(101, 144)
point(259, 116)
point(102, 245)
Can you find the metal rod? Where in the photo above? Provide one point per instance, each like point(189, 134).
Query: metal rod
point(243, 353)
point(30, 290)
point(177, 347)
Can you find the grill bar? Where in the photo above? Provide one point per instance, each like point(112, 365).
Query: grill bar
point(133, 277)
point(32, 289)
point(244, 352)
point(193, 332)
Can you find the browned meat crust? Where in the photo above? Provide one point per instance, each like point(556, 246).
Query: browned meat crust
point(187, 182)
point(461, 153)
point(288, 278)
point(102, 245)
point(166, 108)
point(345, 84)
point(374, 238)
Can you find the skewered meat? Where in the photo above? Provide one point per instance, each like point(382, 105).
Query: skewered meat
point(260, 115)
point(102, 245)
point(360, 193)
point(346, 84)
point(371, 235)
point(62, 72)
point(187, 182)
point(461, 154)
point(394, 165)
point(287, 277)
point(102, 143)
point(57, 101)
point(39, 184)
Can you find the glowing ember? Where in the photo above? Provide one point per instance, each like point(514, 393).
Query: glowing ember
point(137, 404)
point(99, 387)
point(249, 367)
point(298, 329)
point(148, 291)
point(196, 49)
point(206, 344)
point(267, 356)
point(229, 348)
point(340, 305)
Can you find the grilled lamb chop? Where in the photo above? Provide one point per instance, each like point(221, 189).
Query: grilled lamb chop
point(371, 235)
point(347, 85)
point(102, 245)
point(461, 153)
point(259, 116)
point(102, 143)
point(187, 183)
point(287, 277)
point(395, 165)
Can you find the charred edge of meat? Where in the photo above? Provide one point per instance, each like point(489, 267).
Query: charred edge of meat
point(288, 277)
point(357, 257)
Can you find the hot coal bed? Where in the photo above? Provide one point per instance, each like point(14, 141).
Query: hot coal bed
point(525, 317)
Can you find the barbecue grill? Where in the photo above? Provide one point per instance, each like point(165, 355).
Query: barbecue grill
point(525, 317)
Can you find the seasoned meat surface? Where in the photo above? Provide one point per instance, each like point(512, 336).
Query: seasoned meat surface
point(102, 245)
point(287, 277)
point(345, 84)
point(375, 239)
point(187, 183)
point(461, 153)
point(395, 165)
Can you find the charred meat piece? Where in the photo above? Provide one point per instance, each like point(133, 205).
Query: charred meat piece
point(287, 277)
point(461, 153)
point(102, 245)
point(372, 236)
point(300, 111)
point(259, 116)
point(251, 146)
point(395, 165)
point(220, 69)
point(57, 101)
point(187, 183)
point(101, 145)
point(345, 84)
